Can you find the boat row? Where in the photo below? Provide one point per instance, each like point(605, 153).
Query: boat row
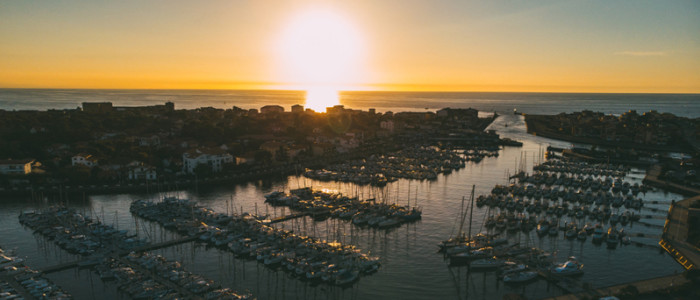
point(80, 234)
point(570, 166)
point(166, 271)
point(583, 183)
point(32, 282)
point(514, 264)
point(248, 236)
point(411, 163)
point(322, 204)
point(76, 233)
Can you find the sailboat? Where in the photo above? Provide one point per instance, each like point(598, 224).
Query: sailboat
point(460, 239)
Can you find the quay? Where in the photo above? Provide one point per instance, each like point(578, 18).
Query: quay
point(652, 178)
point(642, 286)
point(675, 235)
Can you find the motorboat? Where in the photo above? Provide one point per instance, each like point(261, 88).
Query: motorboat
point(518, 277)
point(569, 268)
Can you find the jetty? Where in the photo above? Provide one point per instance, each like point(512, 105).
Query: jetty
point(675, 235)
point(289, 217)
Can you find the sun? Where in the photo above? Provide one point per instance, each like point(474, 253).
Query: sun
point(319, 50)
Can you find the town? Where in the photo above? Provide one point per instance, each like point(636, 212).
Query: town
point(101, 147)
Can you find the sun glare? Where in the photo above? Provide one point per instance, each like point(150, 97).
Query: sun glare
point(320, 51)
point(318, 98)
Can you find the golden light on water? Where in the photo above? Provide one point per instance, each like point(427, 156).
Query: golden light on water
point(318, 98)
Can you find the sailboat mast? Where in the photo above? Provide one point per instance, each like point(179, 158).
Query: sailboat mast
point(461, 222)
point(471, 211)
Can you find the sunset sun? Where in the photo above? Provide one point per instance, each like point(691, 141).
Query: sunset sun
point(320, 51)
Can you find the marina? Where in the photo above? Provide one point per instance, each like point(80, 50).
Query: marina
point(405, 249)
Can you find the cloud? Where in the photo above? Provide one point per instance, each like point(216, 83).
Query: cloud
point(642, 53)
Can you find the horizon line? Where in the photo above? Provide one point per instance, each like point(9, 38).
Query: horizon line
point(342, 90)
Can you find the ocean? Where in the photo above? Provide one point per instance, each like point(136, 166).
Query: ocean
point(411, 267)
point(686, 105)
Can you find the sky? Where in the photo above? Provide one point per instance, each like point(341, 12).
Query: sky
point(519, 46)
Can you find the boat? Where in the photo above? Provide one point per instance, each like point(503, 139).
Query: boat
point(463, 258)
point(486, 264)
point(612, 239)
point(582, 235)
point(518, 277)
point(598, 234)
point(569, 268)
point(346, 276)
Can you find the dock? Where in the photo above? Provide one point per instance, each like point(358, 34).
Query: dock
point(288, 217)
point(58, 267)
point(76, 263)
point(162, 244)
point(567, 284)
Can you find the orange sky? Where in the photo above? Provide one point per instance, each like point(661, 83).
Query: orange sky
point(548, 46)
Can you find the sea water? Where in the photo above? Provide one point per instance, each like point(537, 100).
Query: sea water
point(685, 105)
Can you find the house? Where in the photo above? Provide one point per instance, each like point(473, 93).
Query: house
point(16, 166)
point(297, 108)
point(269, 109)
point(148, 141)
point(213, 157)
point(387, 125)
point(272, 147)
point(97, 107)
point(140, 171)
point(295, 150)
point(320, 149)
point(247, 159)
point(84, 159)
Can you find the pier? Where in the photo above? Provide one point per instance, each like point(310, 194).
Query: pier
point(288, 217)
point(73, 264)
point(162, 244)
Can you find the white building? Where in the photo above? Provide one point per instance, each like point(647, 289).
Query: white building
point(83, 159)
point(15, 166)
point(140, 171)
point(215, 158)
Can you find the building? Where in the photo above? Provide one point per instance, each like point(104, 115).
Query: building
point(139, 171)
point(297, 108)
point(270, 109)
point(387, 125)
point(84, 159)
point(336, 109)
point(272, 147)
point(149, 141)
point(16, 166)
point(97, 107)
point(215, 158)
